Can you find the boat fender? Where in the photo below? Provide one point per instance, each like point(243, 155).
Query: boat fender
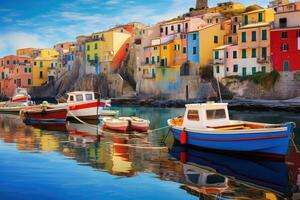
point(183, 137)
point(183, 157)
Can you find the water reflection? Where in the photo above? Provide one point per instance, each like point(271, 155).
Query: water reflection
point(201, 174)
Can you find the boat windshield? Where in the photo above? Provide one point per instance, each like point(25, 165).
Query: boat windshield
point(79, 97)
point(216, 114)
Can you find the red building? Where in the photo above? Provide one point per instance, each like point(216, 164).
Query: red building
point(285, 38)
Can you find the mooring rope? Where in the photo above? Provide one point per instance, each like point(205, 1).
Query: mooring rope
point(293, 142)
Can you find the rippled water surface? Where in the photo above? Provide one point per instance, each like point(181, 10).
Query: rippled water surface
point(73, 162)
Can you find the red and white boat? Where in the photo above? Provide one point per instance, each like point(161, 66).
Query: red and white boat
point(124, 124)
point(84, 105)
point(20, 100)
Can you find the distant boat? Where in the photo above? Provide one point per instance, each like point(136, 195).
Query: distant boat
point(20, 99)
point(44, 114)
point(208, 126)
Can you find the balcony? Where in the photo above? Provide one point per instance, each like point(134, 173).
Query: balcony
point(219, 61)
point(263, 60)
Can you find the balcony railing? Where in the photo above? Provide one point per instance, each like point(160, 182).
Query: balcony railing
point(219, 61)
point(263, 60)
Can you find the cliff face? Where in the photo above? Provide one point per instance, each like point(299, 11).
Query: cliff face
point(286, 87)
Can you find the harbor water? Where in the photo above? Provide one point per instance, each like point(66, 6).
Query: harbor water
point(72, 161)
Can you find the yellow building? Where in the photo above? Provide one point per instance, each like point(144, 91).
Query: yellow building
point(227, 7)
point(25, 51)
point(40, 70)
point(210, 37)
point(48, 52)
point(258, 16)
point(105, 45)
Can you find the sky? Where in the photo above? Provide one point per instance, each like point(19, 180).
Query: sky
point(43, 23)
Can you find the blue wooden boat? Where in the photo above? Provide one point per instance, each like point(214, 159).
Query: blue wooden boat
point(208, 126)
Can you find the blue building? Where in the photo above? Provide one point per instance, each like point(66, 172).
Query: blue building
point(193, 47)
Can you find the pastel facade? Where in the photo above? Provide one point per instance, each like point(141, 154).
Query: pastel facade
point(40, 70)
point(25, 51)
point(285, 38)
point(48, 52)
point(104, 48)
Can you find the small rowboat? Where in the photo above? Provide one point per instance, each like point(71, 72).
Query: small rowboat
point(116, 124)
point(124, 124)
point(44, 114)
point(208, 126)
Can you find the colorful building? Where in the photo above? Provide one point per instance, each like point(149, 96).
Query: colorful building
point(25, 52)
point(285, 38)
point(41, 67)
point(47, 53)
point(105, 50)
point(254, 41)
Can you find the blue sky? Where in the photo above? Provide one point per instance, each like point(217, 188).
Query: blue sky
point(42, 23)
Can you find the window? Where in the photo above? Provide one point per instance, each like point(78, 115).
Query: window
point(157, 59)
point(282, 22)
point(244, 53)
point(95, 46)
point(88, 97)
point(286, 66)
point(153, 60)
point(194, 36)
point(25, 70)
point(72, 98)
point(264, 52)
point(79, 97)
point(298, 34)
point(178, 28)
point(216, 54)
point(216, 39)
point(2, 75)
point(155, 48)
point(253, 36)
point(165, 47)
point(253, 53)
point(194, 50)
point(41, 74)
point(230, 40)
point(41, 64)
point(172, 28)
point(88, 47)
point(96, 58)
point(284, 35)
point(29, 70)
point(244, 39)
point(166, 30)
point(217, 20)
point(7, 62)
point(234, 54)
point(235, 68)
point(246, 20)
point(260, 17)
point(253, 70)
point(215, 114)
point(264, 35)
point(193, 115)
point(147, 60)
point(227, 69)
point(161, 30)
point(88, 58)
point(226, 54)
point(234, 29)
point(218, 69)
point(29, 81)
point(184, 49)
point(186, 26)
point(263, 69)
point(284, 47)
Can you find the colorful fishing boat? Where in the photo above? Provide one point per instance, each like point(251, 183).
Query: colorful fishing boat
point(44, 114)
point(208, 126)
point(84, 105)
point(137, 124)
point(20, 100)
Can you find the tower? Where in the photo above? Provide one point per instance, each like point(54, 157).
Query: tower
point(201, 4)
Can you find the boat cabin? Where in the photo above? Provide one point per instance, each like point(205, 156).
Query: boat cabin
point(80, 96)
point(205, 115)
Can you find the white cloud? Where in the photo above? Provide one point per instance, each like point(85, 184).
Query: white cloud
point(15, 40)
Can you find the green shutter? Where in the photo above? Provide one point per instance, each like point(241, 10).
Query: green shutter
point(244, 73)
point(286, 66)
point(229, 40)
point(234, 54)
point(253, 70)
point(216, 54)
point(264, 52)
point(260, 17)
point(218, 69)
point(246, 19)
point(264, 35)
point(253, 36)
point(244, 53)
point(253, 53)
point(41, 64)
point(216, 39)
point(263, 69)
point(244, 39)
point(235, 68)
